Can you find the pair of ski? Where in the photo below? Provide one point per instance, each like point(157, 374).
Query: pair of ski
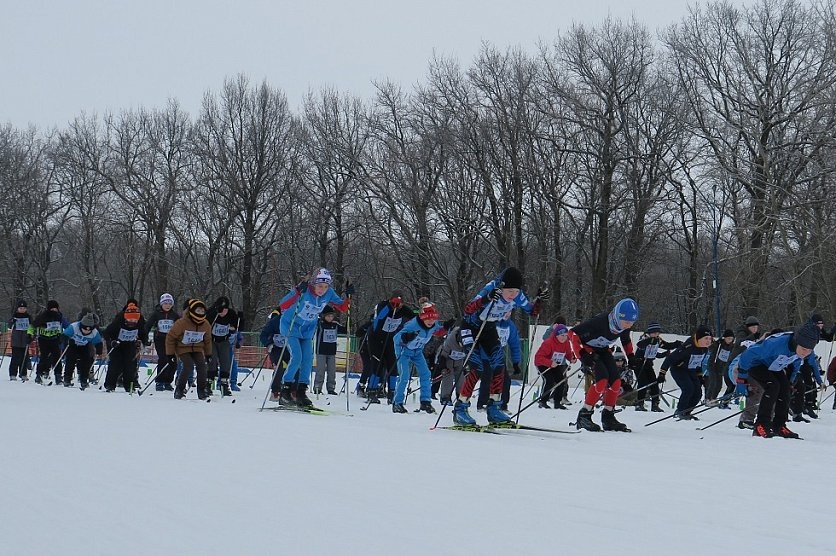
point(502, 429)
point(296, 409)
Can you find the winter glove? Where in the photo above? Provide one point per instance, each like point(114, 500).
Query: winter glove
point(302, 287)
point(538, 306)
point(349, 287)
point(449, 324)
point(589, 359)
point(634, 361)
point(662, 377)
point(407, 337)
point(742, 388)
point(517, 370)
point(474, 306)
point(495, 295)
point(543, 294)
point(114, 344)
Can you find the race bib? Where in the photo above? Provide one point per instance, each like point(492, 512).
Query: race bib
point(650, 351)
point(600, 342)
point(695, 362)
point(503, 334)
point(782, 361)
point(391, 325)
point(128, 335)
point(220, 329)
point(723, 355)
point(456, 355)
point(467, 337)
point(164, 325)
point(279, 340)
point(192, 337)
point(53, 325)
point(419, 342)
point(22, 324)
point(747, 343)
point(498, 310)
point(558, 358)
point(80, 339)
point(329, 335)
point(310, 311)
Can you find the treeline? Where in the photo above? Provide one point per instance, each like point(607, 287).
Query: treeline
point(609, 162)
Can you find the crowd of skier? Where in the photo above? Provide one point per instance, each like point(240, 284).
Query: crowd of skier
point(776, 373)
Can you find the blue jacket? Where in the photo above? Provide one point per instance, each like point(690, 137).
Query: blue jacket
point(510, 336)
point(416, 345)
point(303, 309)
point(270, 335)
point(686, 357)
point(499, 308)
point(73, 332)
point(776, 353)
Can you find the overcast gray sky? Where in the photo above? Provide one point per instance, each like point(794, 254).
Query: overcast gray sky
point(60, 58)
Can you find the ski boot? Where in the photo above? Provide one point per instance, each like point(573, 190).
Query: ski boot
point(446, 401)
point(398, 408)
point(38, 379)
point(13, 378)
point(544, 405)
point(764, 431)
point(784, 432)
point(317, 390)
point(332, 392)
point(808, 411)
point(83, 386)
point(286, 395)
point(179, 394)
point(159, 387)
point(799, 418)
point(168, 387)
point(585, 421)
point(461, 416)
point(654, 407)
point(746, 425)
point(640, 406)
point(565, 401)
point(427, 405)
point(373, 395)
point(495, 415)
point(225, 391)
point(361, 390)
point(302, 399)
point(610, 423)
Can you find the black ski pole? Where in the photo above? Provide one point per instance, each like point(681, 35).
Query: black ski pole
point(675, 414)
point(154, 376)
point(726, 418)
point(548, 394)
point(527, 362)
point(253, 373)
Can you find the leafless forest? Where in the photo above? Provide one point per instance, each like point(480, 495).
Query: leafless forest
point(692, 169)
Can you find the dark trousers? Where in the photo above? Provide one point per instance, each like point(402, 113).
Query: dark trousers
point(691, 387)
point(382, 359)
point(551, 376)
point(19, 362)
point(166, 364)
point(122, 363)
point(775, 402)
point(50, 355)
point(193, 361)
point(275, 353)
point(81, 358)
point(645, 375)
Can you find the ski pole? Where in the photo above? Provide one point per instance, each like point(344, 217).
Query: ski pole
point(155, 375)
point(527, 363)
point(347, 347)
point(284, 348)
point(254, 374)
point(469, 353)
point(726, 418)
point(701, 404)
point(106, 358)
point(548, 394)
point(60, 357)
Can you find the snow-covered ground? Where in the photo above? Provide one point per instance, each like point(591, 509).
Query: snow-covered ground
point(94, 473)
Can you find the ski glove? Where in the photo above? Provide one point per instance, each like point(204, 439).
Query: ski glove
point(349, 288)
point(302, 287)
point(114, 344)
point(742, 388)
point(517, 370)
point(407, 337)
point(474, 306)
point(662, 377)
point(543, 294)
point(495, 295)
point(589, 359)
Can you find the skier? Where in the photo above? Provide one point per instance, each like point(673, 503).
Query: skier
point(326, 351)
point(509, 338)
point(409, 345)
point(647, 351)
point(387, 320)
point(160, 323)
point(122, 336)
point(685, 364)
point(803, 397)
point(48, 325)
point(275, 343)
point(451, 356)
point(21, 336)
point(719, 359)
point(190, 340)
point(236, 340)
point(552, 360)
point(592, 340)
point(749, 335)
point(766, 361)
point(224, 321)
point(300, 312)
point(492, 304)
point(82, 334)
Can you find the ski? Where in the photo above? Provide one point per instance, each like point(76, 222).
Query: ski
point(308, 410)
point(470, 428)
point(530, 428)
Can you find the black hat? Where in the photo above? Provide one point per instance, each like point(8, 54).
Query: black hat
point(751, 321)
point(222, 302)
point(653, 326)
point(512, 278)
point(816, 318)
point(328, 310)
point(396, 293)
point(702, 331)
point(807, 336)
point(22, 303)
point(728, 333)
point(52, 304)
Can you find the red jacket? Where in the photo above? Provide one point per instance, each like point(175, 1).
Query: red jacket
point(546, 354)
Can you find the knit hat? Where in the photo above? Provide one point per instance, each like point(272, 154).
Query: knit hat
point(816, 318)
point(560, 329)
point(619, 356)
point(221, 303)
point(752, 321)
point(328, 310)
point(702, 332)
point(21, 303)
point(166, 298)
point(396, 298)
point(52, 304)
point(131, 313)
point(89, 320)
point(807, 336)
point(428, 311)
point(196, 311)
point(512, 278)
point(728, 333)
point(653, 326)
point(322, 276)
point(626, 309)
